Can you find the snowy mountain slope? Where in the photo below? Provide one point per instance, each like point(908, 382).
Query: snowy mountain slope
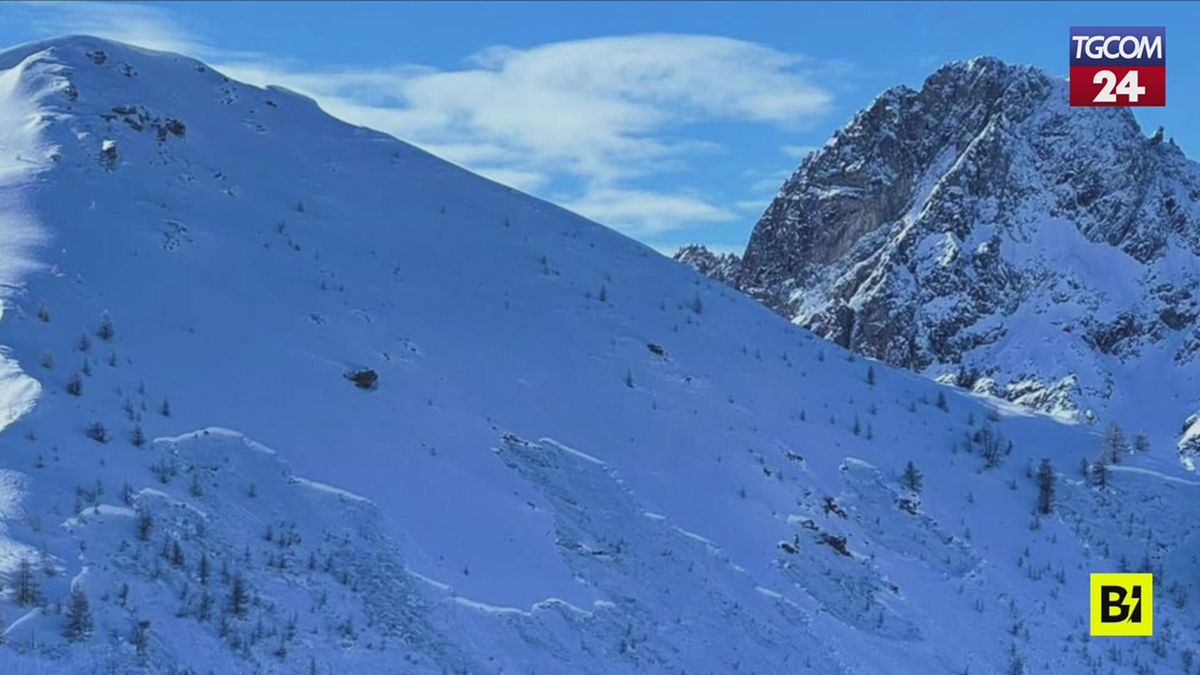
point(577, 456)
point(982, 232)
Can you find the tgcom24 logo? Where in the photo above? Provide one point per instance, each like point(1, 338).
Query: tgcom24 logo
point(1118, 65)
point(1122, 605)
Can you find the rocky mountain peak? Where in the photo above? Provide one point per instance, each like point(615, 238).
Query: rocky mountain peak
point(981, 231)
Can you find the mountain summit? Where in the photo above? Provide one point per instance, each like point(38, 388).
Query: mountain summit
point(983, 233)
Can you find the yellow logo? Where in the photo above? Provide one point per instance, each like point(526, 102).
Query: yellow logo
point(1123, 604)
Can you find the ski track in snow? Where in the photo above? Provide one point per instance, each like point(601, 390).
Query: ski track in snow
point(1157, 474)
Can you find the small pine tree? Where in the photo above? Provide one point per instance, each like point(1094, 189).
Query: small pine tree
point(204, 611)
point(141, 637)
point(137, 437)
point(97, 432)
point(602, 296)
point(697, 305)
point(79, 615)
point(628, 379)
point(165, 408)
point(941, 401)
point(145, 525)
point(238, 597)
point(1141, 443)
point(204, 572)
point(1100, 474)
point(105, 331)
point(1045, 483)
point(911, 479)
point(992, 446)
point(27, 592)
point(1115, 445)
point(75, 385)
point(84, 343)
point(871, 375)
point(43, 313)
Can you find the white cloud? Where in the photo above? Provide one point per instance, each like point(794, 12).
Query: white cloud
point(798, 151)
point(597, 109)
point(755, 206)
point(646, 213)
point(608, 115)
point(725, 248)
point(142, 25)
point(525, 181)
point(767, 182)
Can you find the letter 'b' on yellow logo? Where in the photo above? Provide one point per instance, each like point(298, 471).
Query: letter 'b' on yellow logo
point(1123, 604)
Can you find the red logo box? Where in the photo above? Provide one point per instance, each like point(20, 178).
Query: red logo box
point(1118, 66)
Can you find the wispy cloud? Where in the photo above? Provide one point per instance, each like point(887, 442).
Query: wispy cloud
point(768, 181)
point(798, 151)
point(598, 119)
point(752, 206)
point(143, 25)
point(525, 181)
point(645, 213)
point(598, 110)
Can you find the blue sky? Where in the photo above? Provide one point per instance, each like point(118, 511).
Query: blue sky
point(673, 122)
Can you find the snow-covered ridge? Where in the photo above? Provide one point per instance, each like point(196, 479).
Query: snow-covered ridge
point(212, 260)
point(982, 232)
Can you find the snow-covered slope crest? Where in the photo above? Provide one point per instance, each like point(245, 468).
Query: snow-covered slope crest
point(574, 455)
point(982, 232)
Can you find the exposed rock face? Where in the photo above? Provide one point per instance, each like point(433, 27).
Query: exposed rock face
point(982, 232)
point(723, 267)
